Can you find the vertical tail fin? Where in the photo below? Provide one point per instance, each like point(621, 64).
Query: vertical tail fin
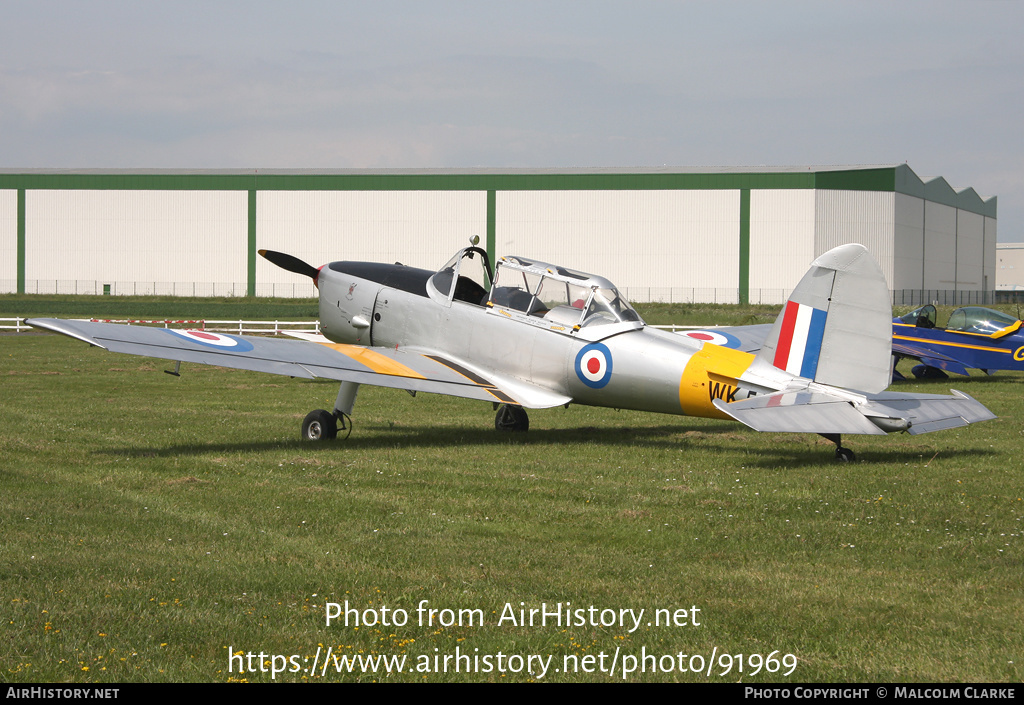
point(836, 328)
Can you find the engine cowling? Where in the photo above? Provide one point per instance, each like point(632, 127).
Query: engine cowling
point(346, 307)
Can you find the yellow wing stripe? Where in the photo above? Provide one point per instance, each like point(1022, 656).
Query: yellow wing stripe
point(954, 345)
point(382, 364)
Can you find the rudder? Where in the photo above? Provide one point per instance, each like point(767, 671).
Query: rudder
point(836, 327)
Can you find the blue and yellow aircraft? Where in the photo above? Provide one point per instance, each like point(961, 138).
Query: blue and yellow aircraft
point(975, 337)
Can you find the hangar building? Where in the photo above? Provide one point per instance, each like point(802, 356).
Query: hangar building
point(1010, 266)
point(661, 234)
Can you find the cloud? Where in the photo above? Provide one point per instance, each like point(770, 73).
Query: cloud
point(448, 84)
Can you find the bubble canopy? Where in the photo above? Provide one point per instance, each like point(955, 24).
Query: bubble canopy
point(563, 295)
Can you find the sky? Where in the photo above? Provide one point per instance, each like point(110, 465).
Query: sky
point(305, 84)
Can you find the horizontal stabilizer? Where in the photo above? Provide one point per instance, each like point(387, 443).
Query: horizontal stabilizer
point(799, 412)
point(931, 412)
point(821, 411)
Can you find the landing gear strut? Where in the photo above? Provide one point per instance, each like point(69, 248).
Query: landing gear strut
point(511, 418)
point(844, 455)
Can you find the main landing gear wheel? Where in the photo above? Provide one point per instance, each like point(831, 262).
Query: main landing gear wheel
point(928, 372)
point(319, 425)
point(511, 418)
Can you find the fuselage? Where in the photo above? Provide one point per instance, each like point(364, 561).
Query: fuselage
point(603, 362)
point(975, 337)
point(976, 351)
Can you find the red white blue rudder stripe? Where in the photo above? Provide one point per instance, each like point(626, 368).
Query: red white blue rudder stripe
point(800, 337)
point(836, 328)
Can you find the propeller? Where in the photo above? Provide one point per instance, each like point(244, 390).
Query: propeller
point(290, 263)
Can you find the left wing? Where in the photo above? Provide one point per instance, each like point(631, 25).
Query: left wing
point(419, 371)
point(928, 355)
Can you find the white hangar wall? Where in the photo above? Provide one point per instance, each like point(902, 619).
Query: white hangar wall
point(908, 242)
point(970, 250)
point(991, 257)
point(185, 243)
point(782, 226)
point(678, 246)
point(867, 217)
point(419, 228)
point(661, 234)
point(1010, 266)
point(8, 240)
point(940, 246)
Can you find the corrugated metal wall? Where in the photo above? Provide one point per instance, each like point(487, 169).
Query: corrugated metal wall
point(144, 242)
point(867, 217)
point(419, 228)
point(782, 226)
point(939, 246)
point(655, 245)
point(970, 253)
point(8, 241)
point(908, 243)
point(990, 256)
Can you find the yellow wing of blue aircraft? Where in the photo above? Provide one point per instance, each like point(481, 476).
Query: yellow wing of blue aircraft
point(531, 335)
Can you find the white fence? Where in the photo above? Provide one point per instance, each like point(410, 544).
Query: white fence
point(15, 324)
point(239, 327)
point(90, 287)
point(637, 294)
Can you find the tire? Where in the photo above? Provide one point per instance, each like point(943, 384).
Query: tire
point(928, 372)
point(511, 418)
point(319, 425)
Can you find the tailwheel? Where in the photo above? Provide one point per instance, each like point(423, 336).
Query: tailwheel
point(320, 425)
point(845, 455)
point(511, 418)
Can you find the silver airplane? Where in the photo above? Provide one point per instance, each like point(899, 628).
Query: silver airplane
point(532, 335)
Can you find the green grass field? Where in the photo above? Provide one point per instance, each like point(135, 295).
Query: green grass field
point(152, 525)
